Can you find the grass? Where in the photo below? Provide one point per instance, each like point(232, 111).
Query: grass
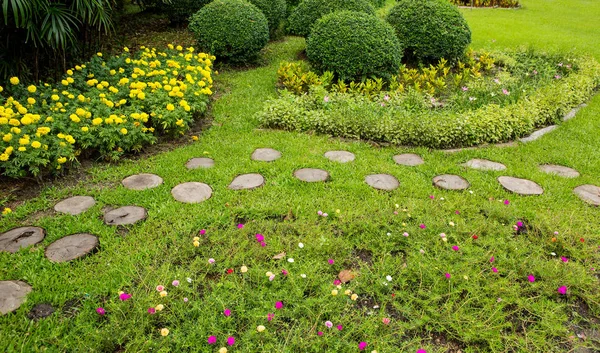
point(426, 309)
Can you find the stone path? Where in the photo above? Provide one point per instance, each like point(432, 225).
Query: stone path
point(408, 159)
point(75, 205)
point(191, 192)
point(589, 194)
point(311, 175)
point(202, 162)
point(537, 134)
point(71, 247)
point(559, 170)
point(484, 164)
point(382, 181)
point(520, 186)
point(247, 181)
point(265, 155)
point(142, 181)
point(340, 156)
point(451, 182)
point(12, 295)
point(125, 215)
point(21, 237)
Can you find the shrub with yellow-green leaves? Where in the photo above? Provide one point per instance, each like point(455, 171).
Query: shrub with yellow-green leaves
point(106, 107)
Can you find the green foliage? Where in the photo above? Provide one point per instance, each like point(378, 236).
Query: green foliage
point(179, 11)
point(486, 3)
point(354, 46)
point(274, 11)
point(378, 3)
point(296, 78)
point(430, 30)
point(233, 30)
point(308, 12)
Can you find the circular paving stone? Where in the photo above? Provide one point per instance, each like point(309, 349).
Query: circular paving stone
point(192, 192)
point(142, 181)
point(71, 247)
point(559, 170)
point(451, 182)
point(247, 181)
point(311, 175)
point(196, 163)
point(125, 215)
point(408, 159)
point(520, 186)
point(382, 181)
point(12, 295)
point(484, 164)
point(75, 205)
point(21, 237)
point(589, 193)
point(340, 156)
point(40, 311)
point(265, 154)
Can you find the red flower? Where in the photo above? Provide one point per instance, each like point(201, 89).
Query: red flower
point(229, 271)
point(475, 236)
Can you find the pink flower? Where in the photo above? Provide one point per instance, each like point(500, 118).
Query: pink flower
point(558, 77)
point(562, 290)
point(240, 226)
point(260, 238)
point(492, 259)
point(271, 278)
point(211, 261)
point(175, 283)
point(455, 248)
point(362, 346)
point(124, 296)
point(320, 213)
point(185, 300)
point(432, 197)
point(531, 278)
point(564, 259)
point(329, 324)
point(326, 99)
point(320, 333)
point(386, 320)
point(422, 226)
point(457, 212)
point(519, 224)
point(337, 282)
point(386, 98)
point(231, 340)
point(278, 305)
point(505, 91)
point(405, 234)
point(506, 202)
point(263, 244)
point(465, 88)
point(495, 270)
point(535, 72)
point(555, 233)
point(160, 288)
point(202, 231)
point(227, 312)
point(421, 351)
point(270, 316)
point(330, 261)
point(284, 272)
point(212, 339)
point(340, 327)
point(151, 311)
point(101, 311)
point(447, 275)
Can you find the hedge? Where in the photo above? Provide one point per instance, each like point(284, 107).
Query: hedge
point(308, 12)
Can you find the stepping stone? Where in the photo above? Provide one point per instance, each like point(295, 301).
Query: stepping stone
point(573, 112)
point(265, 154)
point(75, 205)
point(192, 192)
point(589, 193)
point(12, 295)
point(451, 182)
point(340, 156)
point(196, 163)
point(142, 181)
point(537, 134)
point(484, 164)
point(408, 159)
point(71, 247)
point(559, 170)
point(520, 186)
point(247, 181)
point(21, 237)
point(40, 311)
point(382, 181)
point(311, 175)
point(125, 215)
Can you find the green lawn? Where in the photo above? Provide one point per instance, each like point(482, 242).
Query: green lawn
point(476, 310)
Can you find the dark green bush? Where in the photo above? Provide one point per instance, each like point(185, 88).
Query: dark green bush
point(274, 11)
point(378, 3)
point(233, 30)
point(354, 45)
point(306, 14)
point(179, 11)
point(430, 30)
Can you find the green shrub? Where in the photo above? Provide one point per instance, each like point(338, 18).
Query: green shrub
point(179, 11)
point(274, 11)
point(354, 45)
point(378, 3)
point(430, 30)
point(306, 14)
point(233, 30)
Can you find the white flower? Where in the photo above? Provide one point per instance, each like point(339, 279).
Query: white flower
point(300, 245)
point(388, 234)
point(389, 278)
point(303, 275)
point(189, 280)
point(290, 260)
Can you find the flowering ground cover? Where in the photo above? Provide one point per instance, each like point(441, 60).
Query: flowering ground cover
point(419, 269)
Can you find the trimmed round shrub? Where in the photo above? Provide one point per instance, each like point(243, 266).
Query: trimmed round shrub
point(274, 11)
point(354, 46)
point(233, 30)
point(308, 12)
point(430, 30)
point(179, 11)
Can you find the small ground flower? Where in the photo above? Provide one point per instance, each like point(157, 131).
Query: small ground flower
point(164, 332)
point(212, 339)
point(222, 350)
point(329, 324)
point(340, 327)
point(354, 297)
point(227, 312)
point(240, 226)
point(101, 311)
point(562, 290)
point(231, 340)
point(160, 288)
point(260, 328)
point(278, 305)
point(386, 320)
point(531, 278)
point(243, 269)
point(124, 296)
point(175, 283)
point(211, 261)
point(331, 261)
point(163, 293)
point(447, 275)
point(159, 307)
point(362, 346)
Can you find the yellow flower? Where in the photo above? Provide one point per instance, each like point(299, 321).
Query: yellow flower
point(124, 131)
point(334, 292)
point(23, 141)
point(7, 138)
point(223, 350)
point(99, 54)
point(243, 269)
point(163, 293)
point(1, 88)
point(179, 47)
point(194, 138)
point(159, 307)
point(15, 130)
point(55, 97)
point(62, 160)
point(260, 328)
point(30, 100)
point(36, 144)
point(97, 121)
point(141, 95)
point(14, 80)
point(348, 292)
point(170, 107)
point(32, 89)
point(26, 120)
point(69, 72)
point(3, 157)
point(22, 149)
point(6, 211)
point(85, 129)
point(354, 296)
point(164, 332)
point(196, 243)
point(126, 49)
point(112, 72)
point(170, 46)
point(64, 82)
point(74, 118)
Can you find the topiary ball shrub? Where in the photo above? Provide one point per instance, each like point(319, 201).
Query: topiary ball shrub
point(274, 11)
point(234, 30)
point(179, 11)
point(354, 46)
point(430, 30)
point(306, 14)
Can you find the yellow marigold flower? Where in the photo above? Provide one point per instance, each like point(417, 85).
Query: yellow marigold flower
point(36, 144)
point(32, 89)
point(170, 107)
point(179, 47)
point(14, 122)
point(6, 211)
point(49, 119)
point(124, 131)
point(70, 80)
point(14, 80)
point(3, 157)
point(23, 141)
point(74, 118)
point(26, 120)
point(31, 101)
point(22, 149)
point(64, 82)
point(99, 54)
point(170, 46)
point(3, 121)
point(1, 88)
point(70, 139)
point(9, 150)
point(69, 72)
point(15, 130)
point(7, 137)
point(112, 72)
point(78, 68)
point(126, 49)
point(62, 160)
point(55, 97)
point(164, 332)
point(194, 138)
point(43, 130)
point(85, 129)
point(141, 96)
point(22, 110)
point(97, 121)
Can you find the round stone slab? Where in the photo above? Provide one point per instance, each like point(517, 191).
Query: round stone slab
point(520, 186)
point(75, 205)
point(340, 156)
point(125, 215)
point(196, 163)
point(484, 164)
point(71, 247)
point(21, 237)
point(559, 170)
point(311, 175)
point(382, 181)
point(451, 182)
point(247, 181)
point(589, 193)
point(408, 159)
point(12, 295)
point(192, 192)
point(265, 154)
point(142, 181)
